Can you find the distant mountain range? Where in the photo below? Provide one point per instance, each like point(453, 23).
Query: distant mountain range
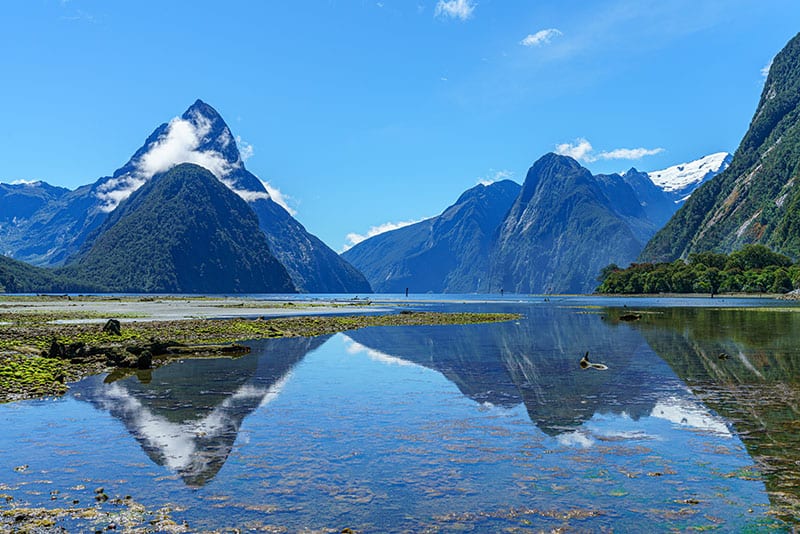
point(50, 226)
point(553, 234)
point(757, 198)
point(444, 254)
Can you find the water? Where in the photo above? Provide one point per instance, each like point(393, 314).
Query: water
point(470, 428)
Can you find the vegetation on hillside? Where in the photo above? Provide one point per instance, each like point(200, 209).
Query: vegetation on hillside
point(757, 199)
point(182, 232)
point(20, 277)
point(753, 269)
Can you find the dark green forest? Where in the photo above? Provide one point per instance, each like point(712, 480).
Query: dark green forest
point(753, 269)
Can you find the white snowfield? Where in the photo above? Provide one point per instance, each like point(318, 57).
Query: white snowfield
point(684, 175)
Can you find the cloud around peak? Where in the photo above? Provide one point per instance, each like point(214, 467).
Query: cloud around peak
point(280, 198)
point(582, 150)
point(180, 143)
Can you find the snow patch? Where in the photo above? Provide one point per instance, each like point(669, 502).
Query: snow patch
point(681, 176)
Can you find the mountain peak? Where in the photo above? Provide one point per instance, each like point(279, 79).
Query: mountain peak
point(552, 159)
point(554, 169)
point(199, 136)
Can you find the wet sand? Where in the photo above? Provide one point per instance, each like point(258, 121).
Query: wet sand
point(127, 309)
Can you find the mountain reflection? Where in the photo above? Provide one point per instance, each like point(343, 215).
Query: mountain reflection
point(186, 416)
point(744, 364)
point(535, 361)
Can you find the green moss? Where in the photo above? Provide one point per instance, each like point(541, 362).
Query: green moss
point(31, 376)
point(24, 373)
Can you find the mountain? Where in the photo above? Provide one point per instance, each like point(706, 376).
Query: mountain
point(59, 228)
point(313, 266)
point(553, 234)
point(657, 205)
point(187, 417)
point(19, 201)
point(182, 232)
point(679, 181)
point(20, 277)
point(563, 228)
point(757, 198)
point(448, 253)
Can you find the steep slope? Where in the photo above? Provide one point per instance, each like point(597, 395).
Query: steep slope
point(657, 205)
point(58, 229)
point(444, 254)
point(183, 232)
point(561, 231)
point(313, 265)
point(19, 201)
point(20, 277)
point(757, 198)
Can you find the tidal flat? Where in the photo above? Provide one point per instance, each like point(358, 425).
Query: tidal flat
point(48, 342)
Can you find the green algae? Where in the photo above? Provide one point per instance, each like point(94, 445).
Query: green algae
point(26, 373)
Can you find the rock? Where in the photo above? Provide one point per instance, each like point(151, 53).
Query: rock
point(113, 327)
point(56, 349)
point(630, 317)
point(145, 360)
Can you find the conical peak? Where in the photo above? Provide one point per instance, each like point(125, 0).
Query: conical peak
point(198, 136)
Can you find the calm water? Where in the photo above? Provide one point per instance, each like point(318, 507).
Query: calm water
point(460, 428)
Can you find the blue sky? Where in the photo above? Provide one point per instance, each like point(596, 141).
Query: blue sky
point(370, 112)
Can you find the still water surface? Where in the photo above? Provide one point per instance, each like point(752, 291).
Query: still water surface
point(447, 428)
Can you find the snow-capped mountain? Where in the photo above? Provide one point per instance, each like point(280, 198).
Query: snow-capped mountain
point(57, 230)
point(681, 180)
point(199, 136)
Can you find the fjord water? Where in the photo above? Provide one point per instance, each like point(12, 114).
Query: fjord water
point(445, 428)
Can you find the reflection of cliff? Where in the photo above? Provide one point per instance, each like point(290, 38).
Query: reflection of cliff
point(187, 415)
point(746, 366)
point(535, 361)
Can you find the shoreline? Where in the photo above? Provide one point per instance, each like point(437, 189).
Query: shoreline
point(45, 344)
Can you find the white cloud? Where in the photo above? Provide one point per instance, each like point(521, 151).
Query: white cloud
point(354, 239)
point(582, 150)
point(281, 199)
point(575, 439)
point(353, 348)
point(541, 37)
point(246, 150)
point(765, 68)
point(629, 153)
point(457, 9)
point(179, 144)
point(246, 195)
point(495, 177)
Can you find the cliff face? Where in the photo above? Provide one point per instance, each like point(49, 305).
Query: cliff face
point(563, 229)
point(757, 198)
